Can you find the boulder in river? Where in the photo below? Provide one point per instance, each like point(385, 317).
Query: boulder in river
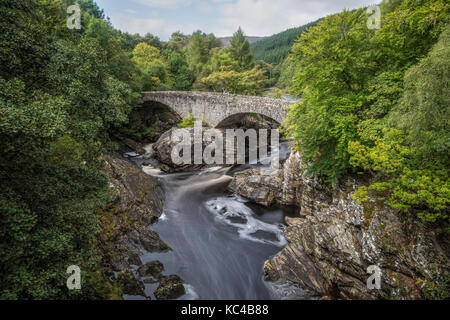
point(151, 269)
point(130, 284)
point(251, 184)
point(163, 152)
point(170, 288)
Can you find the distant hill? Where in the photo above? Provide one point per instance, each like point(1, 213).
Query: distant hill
point(275, 49)
point(226, 40)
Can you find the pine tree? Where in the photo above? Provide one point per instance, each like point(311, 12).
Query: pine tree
point(240, 50)
point(197, 53)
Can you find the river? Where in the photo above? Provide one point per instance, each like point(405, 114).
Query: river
point(219, 241)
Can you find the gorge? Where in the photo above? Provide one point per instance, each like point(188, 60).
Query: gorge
point(88, 179)
point(236, 234)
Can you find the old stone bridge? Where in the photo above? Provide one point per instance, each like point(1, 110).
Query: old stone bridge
point(217, 108)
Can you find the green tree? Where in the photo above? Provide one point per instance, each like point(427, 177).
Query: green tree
point(275, 49)
point(229, 81)
point(212, 41)
point(424, 110)
point(154, 68)
point(332, 72)
point(197, 53)
point(221, 60)
point(179, 68)
point(59, 102)
point(240, 50)
point(351, 78)
point(177, 42)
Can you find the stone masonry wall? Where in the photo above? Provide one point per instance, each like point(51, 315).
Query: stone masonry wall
point(216, 107)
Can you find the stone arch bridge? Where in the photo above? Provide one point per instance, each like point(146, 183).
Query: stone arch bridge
point(215, 108)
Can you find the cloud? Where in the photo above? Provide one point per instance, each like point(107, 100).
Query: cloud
point(164, 4)
point(266, 17)
point(223, 17)
point(155, 26)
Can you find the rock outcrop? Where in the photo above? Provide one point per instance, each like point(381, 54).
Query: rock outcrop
point(163, 152)
point(138, 203)
point(268, 187)
point(334, 239)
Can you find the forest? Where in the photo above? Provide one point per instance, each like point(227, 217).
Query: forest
point(64, 95)
point(374, 104)
point(275, 49)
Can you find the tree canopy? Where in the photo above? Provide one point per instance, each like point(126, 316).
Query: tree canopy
point(376, 101)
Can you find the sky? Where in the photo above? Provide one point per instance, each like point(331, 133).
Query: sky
point(221, 17)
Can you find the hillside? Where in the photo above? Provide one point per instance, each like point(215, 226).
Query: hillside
point(275, 49)
point(226, 40)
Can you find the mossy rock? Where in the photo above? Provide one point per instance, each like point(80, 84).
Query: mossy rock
point(130, 284)
point(170, 288)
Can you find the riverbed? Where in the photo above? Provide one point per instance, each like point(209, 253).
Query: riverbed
point(219, 240)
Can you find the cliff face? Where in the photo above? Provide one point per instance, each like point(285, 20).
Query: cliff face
point(137, 202)
point(334, 240)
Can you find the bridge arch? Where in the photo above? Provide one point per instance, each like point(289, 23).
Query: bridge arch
point(246, 117)
point(214, 108)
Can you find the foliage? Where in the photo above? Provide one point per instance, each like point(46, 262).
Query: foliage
point(276, 93)
point(351, 77)
point(240, 50)
point(62, 92)
point(288, 70)
point(398, 179)
point(155, 74)
point(424, 110)
point(411, 165)
point(249, 82)
point(231, 70)
point(188, 122)
point(377, 101)
point(275, 49)
point(197, 53)
point(178, 42)
point(179, 68)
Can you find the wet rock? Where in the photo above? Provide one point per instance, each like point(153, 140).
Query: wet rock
point(151, 269)
point(130, 284)
point(135, 260)
point(137, 147)
point(333, 240)
point(150, 280)
point(137, 203)
point(253, 185)
point(269, 187)
point(163, 152)
point(151, 241)
point(170, 288)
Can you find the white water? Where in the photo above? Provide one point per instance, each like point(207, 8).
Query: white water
point(220, 241)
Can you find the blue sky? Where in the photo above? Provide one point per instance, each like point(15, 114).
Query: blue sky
point(222, 17)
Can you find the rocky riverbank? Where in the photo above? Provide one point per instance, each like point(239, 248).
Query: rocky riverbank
point(333, 240)
point(138, 201)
